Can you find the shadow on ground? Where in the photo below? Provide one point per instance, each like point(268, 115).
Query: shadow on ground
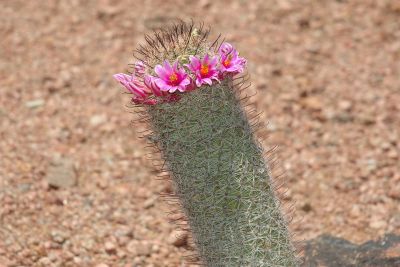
point(329, 251)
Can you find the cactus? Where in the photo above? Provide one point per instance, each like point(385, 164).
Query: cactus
point(217, 166)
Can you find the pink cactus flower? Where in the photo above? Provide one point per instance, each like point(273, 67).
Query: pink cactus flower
point(150, 82)
point(225, 48)
point(171, 78)
point(230, 60)
point(205, 69)
point(134, 86)
point(140, 68)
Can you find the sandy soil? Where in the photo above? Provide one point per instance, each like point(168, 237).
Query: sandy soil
point(327, 75)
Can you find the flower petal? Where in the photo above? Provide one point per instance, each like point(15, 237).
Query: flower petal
point(162, 84)
point(207, 81)
point(175, 67)
point(161, 72)
point(199, 81)
point(173, 89)
point(140, 68)
point(185, 82)
point(122, 77)
point(168, 68)
point(136, 90)
point(213, 61)
point(150, 82)
point(206, 59)
point(225, 48)
point(194, 63)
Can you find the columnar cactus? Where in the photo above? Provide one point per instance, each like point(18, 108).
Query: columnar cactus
point(190, 91)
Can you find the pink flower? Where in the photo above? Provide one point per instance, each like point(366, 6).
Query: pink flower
point(150, 83)
point(140, 68)
point(134, 86)
point(205, 69)
point(225, 48)
point(230, 60)
point(171, 78)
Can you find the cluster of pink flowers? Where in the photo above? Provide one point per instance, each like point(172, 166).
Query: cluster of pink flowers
point(172, 79)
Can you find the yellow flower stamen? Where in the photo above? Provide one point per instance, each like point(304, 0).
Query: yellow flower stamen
point(227, 61)
point(173, 77)
point(204, 69)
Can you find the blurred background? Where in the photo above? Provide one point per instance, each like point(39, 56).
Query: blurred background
point(75, 186)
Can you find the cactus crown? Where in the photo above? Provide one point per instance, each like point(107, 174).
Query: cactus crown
point(177, 42)
point(177, 60)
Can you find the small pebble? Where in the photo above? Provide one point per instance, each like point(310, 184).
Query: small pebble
point(110, 247)
point(178, 238)
point(34, 103)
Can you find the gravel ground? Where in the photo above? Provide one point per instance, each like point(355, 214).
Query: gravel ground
point(76, 188)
